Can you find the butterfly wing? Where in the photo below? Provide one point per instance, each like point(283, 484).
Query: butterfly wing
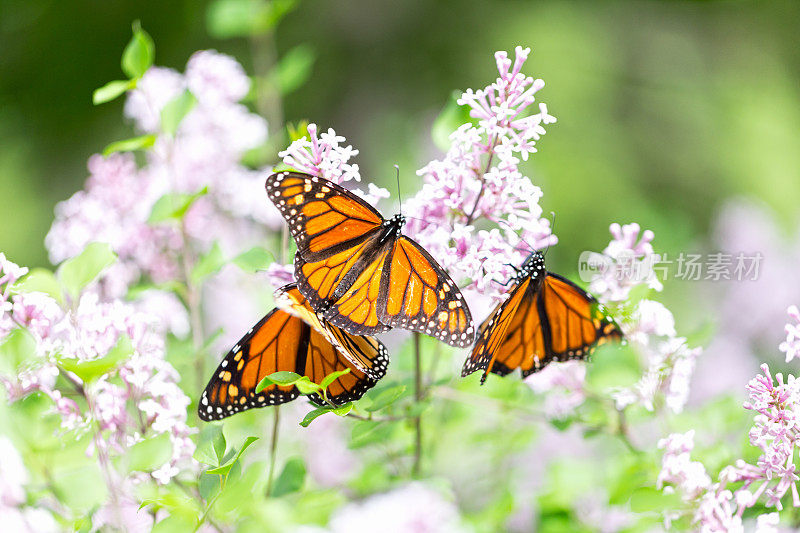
point(274, 344)
point(324, 218)
point(557, 322)
point(365, 354)
point(417, 294)
point(493, 352)
point(575, 322)
point(344, 287)
point(282, 341)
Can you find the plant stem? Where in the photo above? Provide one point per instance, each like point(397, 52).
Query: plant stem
point(492, 145)
point(417, 398)
point(273, 452)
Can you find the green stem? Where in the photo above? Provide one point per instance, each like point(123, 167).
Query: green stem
point(417, 398)
point(273, 451)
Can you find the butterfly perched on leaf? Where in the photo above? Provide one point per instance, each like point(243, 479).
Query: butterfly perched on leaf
point(358, 271)
point(292, 338)
point(545, 318)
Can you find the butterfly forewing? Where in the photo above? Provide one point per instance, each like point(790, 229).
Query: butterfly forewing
point(322, 218)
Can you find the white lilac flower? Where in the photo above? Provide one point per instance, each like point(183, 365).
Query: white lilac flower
point(627, 261)
point(324, 156)
point(216, 78)
point(479, 179)
point(791, 346)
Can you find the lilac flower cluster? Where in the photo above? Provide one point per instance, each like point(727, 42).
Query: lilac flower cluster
point(325, 155)
point(204, 151)
point(718, 508)
point(141, 381)
point(647, 324)
point(479, 184)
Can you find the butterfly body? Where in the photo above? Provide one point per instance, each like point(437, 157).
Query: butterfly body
point(544, 318)
point(358, 270)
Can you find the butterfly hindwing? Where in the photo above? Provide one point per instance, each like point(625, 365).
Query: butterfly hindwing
point(417, 294)
point(283, 341)
point(272, 345)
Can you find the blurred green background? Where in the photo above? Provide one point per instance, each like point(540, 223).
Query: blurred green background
point(665, 109)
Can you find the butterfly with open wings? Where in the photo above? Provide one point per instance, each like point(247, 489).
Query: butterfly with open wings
point(545, 318)
point(292, 338)
point(358, 271)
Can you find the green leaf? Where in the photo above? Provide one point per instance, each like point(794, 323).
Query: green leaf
point(18, 346)
point(291, 478)
point(174, 524)
point(343, 410)
point(149, 454)
point(294, 69)
point(173, 206)
point(175, 110)
point(143, 142)
point(254, 259)
point(220, 446)
point(88, 371)
point(139, 54)
point(226, 468)
point(449, 120)
point(313, 415)
point(208, 264)
point(306, 386)
point(333, 376)
point(278, 378)
point(244, 18)
point(40, 280)
point(206, 452)
point(112, 90)
point(208, 485)
point(385, 398)
point(76, 273)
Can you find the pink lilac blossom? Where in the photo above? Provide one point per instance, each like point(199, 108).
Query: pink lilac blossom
point(563, 386)
point(791, 346)
point(478, 182)
point(774, 432)
point(205, 151)
point(412, 507)
point(627, 261)
point(146, 381)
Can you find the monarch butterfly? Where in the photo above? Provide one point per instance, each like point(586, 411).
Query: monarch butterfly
point(545, 318)
point(357, 269)
point(292, 340)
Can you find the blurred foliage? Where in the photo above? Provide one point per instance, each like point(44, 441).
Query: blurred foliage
point(665, 108)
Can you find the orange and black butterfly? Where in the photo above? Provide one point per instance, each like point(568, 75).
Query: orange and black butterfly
point(357, 269)
point(292, 338)
point(545, 318)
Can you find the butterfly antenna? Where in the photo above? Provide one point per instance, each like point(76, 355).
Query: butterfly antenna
point(399, 196)
point(552, 227)
point(530, 246)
